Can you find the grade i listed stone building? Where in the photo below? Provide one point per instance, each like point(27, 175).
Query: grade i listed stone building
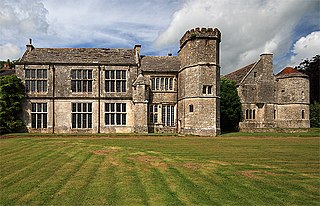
point(100, 90)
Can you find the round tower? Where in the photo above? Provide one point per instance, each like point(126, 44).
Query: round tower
point(292, 99)
point(199, 82)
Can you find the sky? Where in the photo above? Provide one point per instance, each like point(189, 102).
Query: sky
point(290, 29)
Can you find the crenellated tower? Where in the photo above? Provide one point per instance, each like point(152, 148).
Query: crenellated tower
point(199, 82)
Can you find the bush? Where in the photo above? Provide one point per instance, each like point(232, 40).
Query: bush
point(11, 95)
point(315, 114)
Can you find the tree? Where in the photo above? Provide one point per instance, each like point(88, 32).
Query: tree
point(11, 95)
point(230, 106)
point(312, 69)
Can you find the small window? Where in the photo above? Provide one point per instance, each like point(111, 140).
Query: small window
point(191, 108)
point(302, 114)
point(207, 89)
point(274, 114)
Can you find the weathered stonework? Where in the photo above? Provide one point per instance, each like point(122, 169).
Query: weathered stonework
point(272, 101)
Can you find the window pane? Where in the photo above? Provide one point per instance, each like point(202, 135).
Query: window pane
point(124, 74)
point(39, 86)
point(39, 107)
point(79, 120)
point(44, 109)
point(33, 120)
point(89, 74)
point(84, 88)
point(33, 107)
point(118, 119)
point(33, 73)
point(78, 86)
point(118, 87)
point(89, 107)
point(73, 74)
point(123, 86)
point(157, 84)
point(124, 121)
point(44, 85)
point(44, 73)
point(74, 107)
point(79, 108)
point(33, 85)
point(164, 108)
point(153, 84)
point(112, 86)
point(89, 86)
point(106, 119)
point(209, 89)
point(44, 120)
point(112, 74)
point(27, 86)
point(85, 74)
point(78, 74)
point(166, 84)
point(112, 107)
point(39, 73)
point(106, 107)
point(170, 84)
point(107, 88)
point(27, 73)
point(84, 120)
point(204, 89)
point(38, 120)
point(118, 107)
point(118, 74)
point(124, 107)
point(107, 74)
point(74, 120)
point(84, 107)
point(112, 119)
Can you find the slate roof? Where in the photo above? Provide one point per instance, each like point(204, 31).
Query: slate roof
point(160, 63)
point(79, 56)
point(239, 74)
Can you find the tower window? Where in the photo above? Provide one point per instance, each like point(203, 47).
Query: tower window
point(250, 114)
point(207, 89)
point(191, 108)
point(274, 114)
point(302, 114)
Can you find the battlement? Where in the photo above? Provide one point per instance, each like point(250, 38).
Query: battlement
point(200, 33)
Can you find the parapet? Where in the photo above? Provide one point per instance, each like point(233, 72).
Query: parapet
point(200, 33)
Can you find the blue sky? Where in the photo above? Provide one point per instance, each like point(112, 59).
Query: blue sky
point(290, 29)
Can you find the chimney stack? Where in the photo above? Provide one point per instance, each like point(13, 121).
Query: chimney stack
point(29, 46)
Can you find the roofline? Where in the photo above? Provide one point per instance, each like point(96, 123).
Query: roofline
point(76, 64)
point(245, 76)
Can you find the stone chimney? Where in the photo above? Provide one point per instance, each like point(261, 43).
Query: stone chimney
point(29, 46)
point(137, 49)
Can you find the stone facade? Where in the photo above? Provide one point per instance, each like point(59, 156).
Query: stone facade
point(272, 101)
point(100, 90)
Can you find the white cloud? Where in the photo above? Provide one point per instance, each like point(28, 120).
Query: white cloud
point(9, 51)
point(248, 28)
point(306, 47)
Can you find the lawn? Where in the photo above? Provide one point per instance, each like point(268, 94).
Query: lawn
point(159, 170)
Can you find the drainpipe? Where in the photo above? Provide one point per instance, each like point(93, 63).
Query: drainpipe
point(99, 83)
point(53, 98)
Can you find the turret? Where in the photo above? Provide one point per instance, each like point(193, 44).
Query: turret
point(199, 82)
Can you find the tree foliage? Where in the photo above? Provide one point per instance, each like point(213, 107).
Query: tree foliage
point(312, 69)
point(11, 95)
point(230, 106)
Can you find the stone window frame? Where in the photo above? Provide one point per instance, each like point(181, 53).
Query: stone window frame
point(207, 89)
point(81, 80)
point(250, 114)
point(115, 80)
point(39, 115)
point(36, 80)
point(168, 115)
point(191, 109)
point(154, 113)
point(163, 83)
point(115, 114)
point(81, 115)
point(303, 114)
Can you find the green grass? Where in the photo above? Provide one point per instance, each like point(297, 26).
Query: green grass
point(159, 170)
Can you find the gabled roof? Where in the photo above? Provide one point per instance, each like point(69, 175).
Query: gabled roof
point(79, 56)
point(160, 63)
point(239, 74)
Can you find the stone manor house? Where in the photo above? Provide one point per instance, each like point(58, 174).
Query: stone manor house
point(101, 90)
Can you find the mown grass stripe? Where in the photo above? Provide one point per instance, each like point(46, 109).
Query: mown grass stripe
point(26, 181)
point(160, 188)
point(196, 193)
point(63, 182)
point(77, 185)
point(11, 149)
point(40, 162)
